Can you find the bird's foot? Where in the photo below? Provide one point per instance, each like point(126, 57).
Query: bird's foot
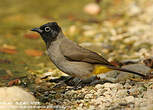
point(62, 81)
point(77, 83)
point(62, 78)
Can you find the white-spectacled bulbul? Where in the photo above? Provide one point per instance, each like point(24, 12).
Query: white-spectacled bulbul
point(71, 58)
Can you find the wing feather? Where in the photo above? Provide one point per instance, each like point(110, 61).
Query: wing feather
point(74, 52)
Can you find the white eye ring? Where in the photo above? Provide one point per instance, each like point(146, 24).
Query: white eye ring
point(47, 29)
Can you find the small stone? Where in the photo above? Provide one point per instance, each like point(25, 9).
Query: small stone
point(99, 100)
point(107, 85)
point(99, 92)
point(91, 107)
point(92, 9)
point(99, 86)
point(89, 33)
point(129, 99)
point(89, 96)
point(122, 93)
point(127, 86)
point(133, 9)
point(72, 30)
point(110, 85)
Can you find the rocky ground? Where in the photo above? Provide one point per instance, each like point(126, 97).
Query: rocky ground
point(125, 39)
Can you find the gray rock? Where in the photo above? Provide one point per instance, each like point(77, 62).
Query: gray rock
point(16, 97)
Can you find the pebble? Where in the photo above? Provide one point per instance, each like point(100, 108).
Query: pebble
point(92, 9)
point(88, 96)
point(122, 93)
point(133, 9)
point(72, 30)
point(89, 33)
point(129, 99)
point(99, 86)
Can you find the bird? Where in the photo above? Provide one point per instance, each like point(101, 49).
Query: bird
point(71, 58)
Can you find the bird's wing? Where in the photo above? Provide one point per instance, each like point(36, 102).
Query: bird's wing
point(74, 52)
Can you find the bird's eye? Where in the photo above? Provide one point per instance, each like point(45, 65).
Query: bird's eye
point(47, 29)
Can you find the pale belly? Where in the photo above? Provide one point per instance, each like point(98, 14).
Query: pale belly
point(76, 69)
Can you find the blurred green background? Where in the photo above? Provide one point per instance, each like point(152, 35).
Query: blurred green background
point(22, 51)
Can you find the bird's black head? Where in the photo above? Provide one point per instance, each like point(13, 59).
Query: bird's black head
point(49, 31)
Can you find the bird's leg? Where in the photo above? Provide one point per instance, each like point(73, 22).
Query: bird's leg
point(63, 80)
point(90, 81)
point(76, 83)
point(96, 80)
point(68, 80)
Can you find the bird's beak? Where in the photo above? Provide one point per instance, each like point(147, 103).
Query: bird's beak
point(37, 30)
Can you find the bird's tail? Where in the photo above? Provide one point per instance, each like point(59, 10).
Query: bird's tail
point(126, 70)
